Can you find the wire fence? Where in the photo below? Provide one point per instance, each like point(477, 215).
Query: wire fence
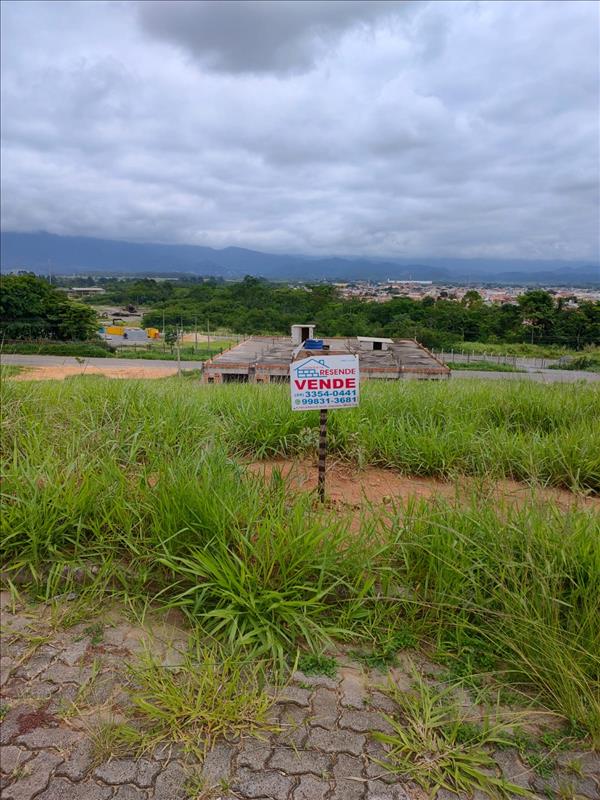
point(523, 362)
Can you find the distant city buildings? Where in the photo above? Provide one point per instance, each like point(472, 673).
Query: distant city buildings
point(385, 291)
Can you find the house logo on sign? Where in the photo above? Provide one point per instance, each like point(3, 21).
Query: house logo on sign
point(306, 371)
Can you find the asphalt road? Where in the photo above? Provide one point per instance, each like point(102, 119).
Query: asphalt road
point(541, 376)
point(107, 363)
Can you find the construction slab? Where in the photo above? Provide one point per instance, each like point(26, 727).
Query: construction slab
point(257, 359)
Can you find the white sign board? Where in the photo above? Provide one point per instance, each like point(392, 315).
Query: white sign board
point(323, 381)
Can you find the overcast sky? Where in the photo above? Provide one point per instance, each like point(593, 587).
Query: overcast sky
point(363, 128)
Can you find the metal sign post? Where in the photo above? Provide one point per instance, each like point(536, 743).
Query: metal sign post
point(322, 453)
point(324, 381)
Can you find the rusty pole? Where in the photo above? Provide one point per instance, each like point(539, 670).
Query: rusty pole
point(322, 453)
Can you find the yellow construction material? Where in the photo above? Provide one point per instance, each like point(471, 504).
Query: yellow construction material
point(152, 333)
point(116, 330)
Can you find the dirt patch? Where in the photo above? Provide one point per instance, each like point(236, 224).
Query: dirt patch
point(354, 488)
point(35, 719)
point(60, 373)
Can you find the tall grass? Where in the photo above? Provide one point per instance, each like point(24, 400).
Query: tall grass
point(142, 481)
point(523, 586)
point(549, 434)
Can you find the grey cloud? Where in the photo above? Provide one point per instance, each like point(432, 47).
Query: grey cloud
point(444, 131)
point(259, 36)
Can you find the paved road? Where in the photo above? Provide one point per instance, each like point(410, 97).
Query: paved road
point(106, 363)
point(541, 376)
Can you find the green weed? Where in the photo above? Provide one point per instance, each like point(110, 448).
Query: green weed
point(438, 748)
point(520, 588)
point(212, 694)
point(317, 664)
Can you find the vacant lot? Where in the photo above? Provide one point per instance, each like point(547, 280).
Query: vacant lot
point(151, 495)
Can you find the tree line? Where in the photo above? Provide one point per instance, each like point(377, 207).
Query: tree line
point(255, 306)
point(32, 308)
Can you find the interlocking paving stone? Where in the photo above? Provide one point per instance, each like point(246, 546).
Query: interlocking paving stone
point(168, 752)
point(513, 768)
point(322, 752)
point(354, 693)
point(61, 673)
point(566, 786)
point(79, 761)
point(102, 689)
point(217, 764)
point(298, 762)
point(35, 778)
point(41, 690)
point(402, 678)
point(293, 731)
point(253, 754)
point(62, 789)
point(349, 782)
point(36, 664)
point(382, 702)
point(588, 761)
point(378, 790)
point(12, 757)
point(292, 715)
point(294, 736)
point(170, 783)
point(5, 669)
point(315, 680)
point(324, 708)
point(116, 635)
point(364, 721)
point(130, 793)
point(295, 694)
point(49, 737)
point(336, 741)
point(74, 652)
point(267, 783)
point(127, 770)
point(376, 751)
point(311, 788)
point(63, 698)
point(10, 724)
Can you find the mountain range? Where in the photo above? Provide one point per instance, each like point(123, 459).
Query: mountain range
point(68, 255)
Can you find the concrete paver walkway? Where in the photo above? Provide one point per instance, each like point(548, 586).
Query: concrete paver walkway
point(61, 685)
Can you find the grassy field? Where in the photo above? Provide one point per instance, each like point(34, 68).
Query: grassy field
point(141, 488)
point(522, 349)
point(485, 366)
point(154, 351)
point(187, 352)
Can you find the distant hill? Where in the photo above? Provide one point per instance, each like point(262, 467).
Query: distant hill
point(45, 252)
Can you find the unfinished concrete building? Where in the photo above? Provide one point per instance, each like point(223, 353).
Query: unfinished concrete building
point(267, 359)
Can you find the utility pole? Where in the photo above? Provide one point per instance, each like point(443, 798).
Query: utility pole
point(180, 334)
point(208, 335)
point(195, 333)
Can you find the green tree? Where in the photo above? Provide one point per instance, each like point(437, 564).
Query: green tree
point(537, 311)
point(31, 308)
point(472, 299)
point(171, 337)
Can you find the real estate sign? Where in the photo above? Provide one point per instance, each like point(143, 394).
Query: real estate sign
point(323, 381)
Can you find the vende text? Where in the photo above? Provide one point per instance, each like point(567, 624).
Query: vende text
point(326, 383)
